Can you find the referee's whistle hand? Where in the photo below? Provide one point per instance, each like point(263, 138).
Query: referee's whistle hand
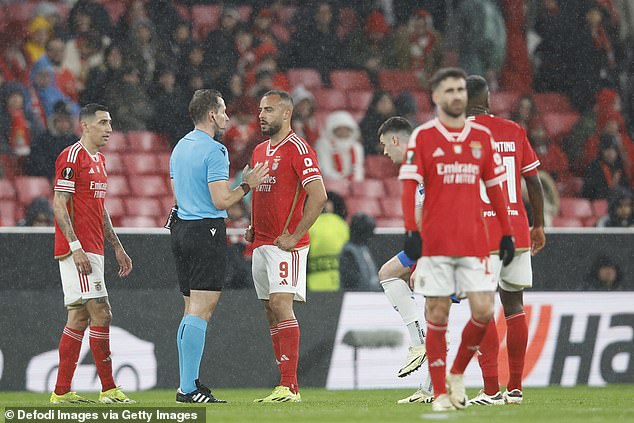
point(254, 177)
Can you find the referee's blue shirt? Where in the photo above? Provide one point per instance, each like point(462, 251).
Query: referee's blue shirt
point(197, 160)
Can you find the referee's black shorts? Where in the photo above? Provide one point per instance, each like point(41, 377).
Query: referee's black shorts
point(200, 251)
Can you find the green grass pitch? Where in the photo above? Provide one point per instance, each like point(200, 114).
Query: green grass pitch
point(614, 403)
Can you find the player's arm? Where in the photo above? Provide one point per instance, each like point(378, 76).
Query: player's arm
point(498, 201)
point(536, 198)
point(413, 245)
point(223, 197)
point(60, 211)
point(315, 201)
point(124, 261)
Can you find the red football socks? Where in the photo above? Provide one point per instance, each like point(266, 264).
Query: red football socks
point(288, 354)
point(100, 347)
point(472, 334)
point(489, 347)
point(69, 347)
point(437, 356)
point(516, 341)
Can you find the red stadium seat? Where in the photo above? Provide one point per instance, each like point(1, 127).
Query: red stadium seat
point(7, 192)
point(567, 222)
point(570, 186)
point(118, 186)
point(357, 115)
point(167, 202)
point(346, 80)
point(117, 142)
point(139, 222)
point(389, 222)
point(423, 102)
point(148, 186)
point(8, 210)
point(575, 207)
point(590, 221)
point(380, 167)
point(141, 164)
point(30, 187)
point(552, 102)
point(502, 102)
point(164, 163)
point(391, 207)
point(204, 19)
point(558, 125)
point(115, 207)
point(359, 100)
point(307, 77)
point(371, 188)
point(143, 207)
point(330, 100)
point(369, 206)
point(146, 141)
point(393, 187)
point(114, 164)
point(600, 208)
point(340, 186)
point(397, 81)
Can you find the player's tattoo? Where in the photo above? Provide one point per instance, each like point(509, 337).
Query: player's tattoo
point(60, 211)
point(101, 300)
point(108, 230)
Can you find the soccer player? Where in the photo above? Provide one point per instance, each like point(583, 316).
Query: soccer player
point(451, 155)
point(520, 160)
point(199, 168)
point(81, 223)
point(284, 207)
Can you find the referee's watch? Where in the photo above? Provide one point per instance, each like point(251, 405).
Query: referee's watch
point(245, 187)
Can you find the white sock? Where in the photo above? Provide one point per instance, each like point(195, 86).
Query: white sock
point(402, 299)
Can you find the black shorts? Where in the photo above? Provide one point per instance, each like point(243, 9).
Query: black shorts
point(200, 251)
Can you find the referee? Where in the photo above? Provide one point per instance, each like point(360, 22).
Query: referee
point(199, 169)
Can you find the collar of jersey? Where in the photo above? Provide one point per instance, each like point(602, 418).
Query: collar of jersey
point(453, 137)
point(270, 151)
point(94, 157)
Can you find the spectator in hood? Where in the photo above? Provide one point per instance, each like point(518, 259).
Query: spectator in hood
point(304, 122)
point(357, 269)
point(339, 150)
point(606, 172)
point(44, 83)
point(620, 210)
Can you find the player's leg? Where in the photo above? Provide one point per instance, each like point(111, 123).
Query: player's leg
point(182, 274)
point(392, 275)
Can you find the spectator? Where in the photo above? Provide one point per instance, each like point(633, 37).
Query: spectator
point(357, 269)
point(143, 50)
point(615, 127)
point(620, 210)
point(134, 13)
point(553, 159)
point(129, 104)
point(553, 26)
point(605, 275)
point(179, 42)
point(339, 150)
point(244, 51)
point(243, 133)
point(170, 104)
point(525, 112)
point(194, 66)
point(220, 53)
point(49, 144)
point(164, 17)
point(328, 235)
point(405, 105)
point(44, 83)
point(266, 60)
point(95, 11)
point(39, 31)
point(38, 213)
point(50, 12)
point(64, 78)
point(83, 53)
point(16, 134)
point(13, 62)
point(262, 29)
point(606, 172)
point(551, 198)
point(381, 107)
point(111, 71)
point(304, 122)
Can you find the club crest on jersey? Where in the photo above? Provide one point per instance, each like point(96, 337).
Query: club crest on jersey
point(457, 149)
point(276, 162)
point(409, 158)
point(98, 285)
point(476, 149)
point(68, 173)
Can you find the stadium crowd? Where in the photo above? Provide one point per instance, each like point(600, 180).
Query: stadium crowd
point(562, 70)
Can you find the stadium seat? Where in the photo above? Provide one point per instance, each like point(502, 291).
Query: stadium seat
point(346, 80)
point(558, 125)
point(423, 101)
point(380, 167)
point(393, 188)
point(8, 210)
point(369, 206)
point(148, 186)
point(204, 18)
point(163, 163)
point(30, 187)
point(391, 208)
point(570, 186)
point(502, 102)
point(166, 204)
point(307, 77)
point(139, 222)
point(357, 115)
point(7, 192)
point(388, 222)
point(358, 100)
point(397, 81)
point(146, 141)
point(117, 142)
point(425, 116)
point(600, 208)
point(575, 207)
point(340, 186)
point(141, 164)
point(115, 207)
point(118, 186)
point(114, 164)
point(552, 102)
point(370, 188)
point(143, 207)
point(567, 222)
point(330, 100)
point(590, 221)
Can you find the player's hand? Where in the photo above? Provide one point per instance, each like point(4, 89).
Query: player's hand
point(254, 177)
point(538, 239)
point(249, 234)
point(507, 249)
point(124, 261)
point(286, 241)
point(413, 245)
point(81, 262)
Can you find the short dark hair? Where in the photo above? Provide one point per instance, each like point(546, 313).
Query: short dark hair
point(89, 110)
point(285, 96)
point(444, 73)
point(202, 102)
point(476, 85)
point(395, 124)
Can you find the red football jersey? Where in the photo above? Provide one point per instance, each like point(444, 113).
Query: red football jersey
point(292, 164)
point(519, 159)
point(451, 165)
point(83, 175)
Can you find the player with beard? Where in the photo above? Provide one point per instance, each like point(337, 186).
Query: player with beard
point(284, 207)
point(451, 155)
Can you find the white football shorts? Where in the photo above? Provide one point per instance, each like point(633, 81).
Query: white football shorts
point(277, 271)
point(515, 277)
point(80, 288)
point(441, 276)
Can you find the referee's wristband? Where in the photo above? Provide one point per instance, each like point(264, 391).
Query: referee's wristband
point(245, 187)
point(75, 245)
